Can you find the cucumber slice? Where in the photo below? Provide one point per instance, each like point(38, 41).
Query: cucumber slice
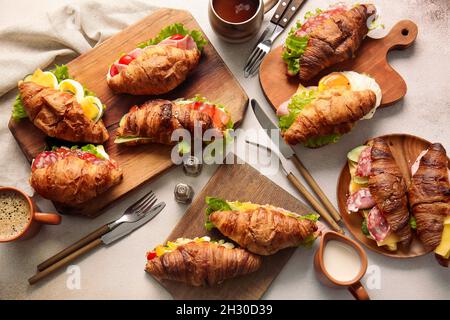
point(353, 155)
point(28, 78)
point(129, 139)
point(361, 180)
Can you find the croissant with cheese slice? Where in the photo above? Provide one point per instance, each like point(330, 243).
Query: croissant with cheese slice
point(429, 198)
point(73, 176)
point(326, 38)
point(200, 262)
point(156, 120)
point(261, 229)
point(61, 109)
point(316, 116)
point(159, 65)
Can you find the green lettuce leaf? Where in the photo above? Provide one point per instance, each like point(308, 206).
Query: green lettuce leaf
point(176, 28)
point(309, 241)
point(18, 109)
point(317, 142)
point(413, 223)
point(312, 217)
point(294, 47)
point(214, 204)
point(61, 72)
point(129, 139)
point(296, 105)
point(364, 228)
point(97, 151)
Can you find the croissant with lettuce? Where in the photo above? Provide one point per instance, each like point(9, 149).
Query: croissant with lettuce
point(261, 229)
point(156, 120)
point(326, 38)
point(316, 116)
point(200, 261)
point(73, 176)
point(158, 65)
point(429, 199)
point(60, 107)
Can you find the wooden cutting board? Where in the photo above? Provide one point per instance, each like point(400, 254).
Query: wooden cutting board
point(371, 59)
point(211, 78)
point(244, 183)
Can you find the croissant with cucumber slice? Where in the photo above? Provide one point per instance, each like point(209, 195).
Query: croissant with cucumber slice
point(261, 229)
point(60, 107)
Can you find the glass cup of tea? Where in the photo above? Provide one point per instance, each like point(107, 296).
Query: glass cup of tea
point(18, 217)
point(341, 263)
point(238, 21)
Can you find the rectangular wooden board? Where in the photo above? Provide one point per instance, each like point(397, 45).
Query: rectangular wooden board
point(211, 78)
point(243, 183)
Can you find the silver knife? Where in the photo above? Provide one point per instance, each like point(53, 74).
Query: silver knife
point(274, 133)
point(127, 228)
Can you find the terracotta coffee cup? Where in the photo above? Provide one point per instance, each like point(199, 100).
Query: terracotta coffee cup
point(238, 31)
point(326, 276)
point(31, 220)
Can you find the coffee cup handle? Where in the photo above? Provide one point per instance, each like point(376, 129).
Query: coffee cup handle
point(47, 218)
point(358, 291)
point(269, 4)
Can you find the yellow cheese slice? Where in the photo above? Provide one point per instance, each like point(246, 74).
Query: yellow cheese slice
point(443, 249)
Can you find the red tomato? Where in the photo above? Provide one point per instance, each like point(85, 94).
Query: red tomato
point(126, 59)
point(113, 71)
point(220, 118)
point(151, 255)
point(208, 109)
point(177, 37)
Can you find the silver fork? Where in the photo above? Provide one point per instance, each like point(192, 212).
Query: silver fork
point(260, 52)
point(133, 213)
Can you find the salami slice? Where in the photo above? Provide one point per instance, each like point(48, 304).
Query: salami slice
point(377, 224)
point(361, 199)
point(364, 163)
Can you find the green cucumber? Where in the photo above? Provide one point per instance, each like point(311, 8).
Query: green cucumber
point(353, 155)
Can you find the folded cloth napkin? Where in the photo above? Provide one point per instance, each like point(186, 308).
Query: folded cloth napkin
point(35, 33)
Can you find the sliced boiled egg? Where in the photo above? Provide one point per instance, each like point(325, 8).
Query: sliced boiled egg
point(43, 78)
point(354, 81)
point(92, 107)
point(73, 87)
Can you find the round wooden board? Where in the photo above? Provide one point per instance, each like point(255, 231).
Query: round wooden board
point(371, 59)
point(405, 149)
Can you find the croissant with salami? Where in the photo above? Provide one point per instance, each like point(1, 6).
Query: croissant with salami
point(378, 192)
point(429, 199)
point(73, 176)
point(61, 109)
point(159, 65)
point(261, 229)
point(156, 120)
point(326, 38)
point(200, 262)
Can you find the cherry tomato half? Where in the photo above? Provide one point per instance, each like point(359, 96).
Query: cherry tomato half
point(177, 37)
point(151, 255)
point(126, 59)
point(113, 71)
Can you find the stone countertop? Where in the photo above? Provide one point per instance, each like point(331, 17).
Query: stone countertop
point(116, 272)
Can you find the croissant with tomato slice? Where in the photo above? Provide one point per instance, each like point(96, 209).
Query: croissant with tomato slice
point(156, 120)
point(73, 176)
point(261, 229)
point(159, 65)
point(326, 38)
point(200, 262)
point(58, 114)
point(429, 198)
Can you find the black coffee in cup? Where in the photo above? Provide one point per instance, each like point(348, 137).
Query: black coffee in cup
point(15, 214)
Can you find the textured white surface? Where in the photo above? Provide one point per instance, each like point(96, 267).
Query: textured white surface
point(117, 271)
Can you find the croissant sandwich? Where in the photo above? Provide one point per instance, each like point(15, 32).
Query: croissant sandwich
point(73, 176)
point(60, 107)
point(378, 192)
point(326, 38)
point(316, 116)
point(261, 229)
point(200, 261)
point(156, 120)
point(158, 65)
point(429, 199)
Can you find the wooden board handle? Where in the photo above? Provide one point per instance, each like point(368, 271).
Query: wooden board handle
point(316, 188)
point(314, 203)
point(401, 36)
point(66, 260)
point(74, 247)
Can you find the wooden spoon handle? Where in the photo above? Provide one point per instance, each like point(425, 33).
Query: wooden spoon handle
point(316, 188)
point(314, 203)
point(74, 247)
point(66, 260)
